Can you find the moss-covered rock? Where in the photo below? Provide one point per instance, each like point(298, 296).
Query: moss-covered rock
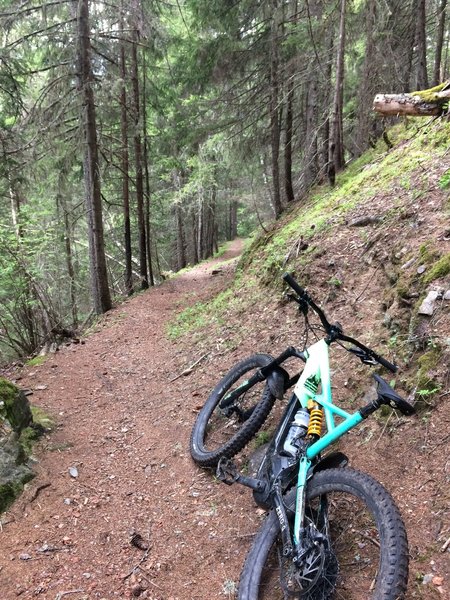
point(14, 469)
point(15, 419)
point(14, 406)
point(441, 268)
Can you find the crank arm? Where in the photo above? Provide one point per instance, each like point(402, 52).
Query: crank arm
point(227, 473)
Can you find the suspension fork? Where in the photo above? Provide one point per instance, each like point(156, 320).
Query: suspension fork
point(280, 510)
point(299, 529)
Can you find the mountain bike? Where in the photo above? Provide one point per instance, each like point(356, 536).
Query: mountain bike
point(333, 532)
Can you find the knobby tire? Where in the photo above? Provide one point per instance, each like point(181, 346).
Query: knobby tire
point(236, 435)
point(348, 576)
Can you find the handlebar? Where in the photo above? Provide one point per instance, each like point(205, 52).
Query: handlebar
point(335, 332)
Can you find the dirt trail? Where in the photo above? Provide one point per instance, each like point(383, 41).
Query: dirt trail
point(125, 427)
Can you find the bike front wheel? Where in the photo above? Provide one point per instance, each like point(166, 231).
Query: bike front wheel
point(358, 547)
point(222, 429)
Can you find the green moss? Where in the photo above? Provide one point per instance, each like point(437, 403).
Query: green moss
point(403, 286)
point(40, 417)
point(36, 361)
point(427, 253)
point(426, 383)
point(14, 406)
point(8, 493)
point(29, 436)
point(430, 95)
point(201, 314)
point(335, 282)
point(8, 391)
point(440, 269)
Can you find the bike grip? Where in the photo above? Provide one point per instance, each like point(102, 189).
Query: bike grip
point(385, 363)
point(294, 285)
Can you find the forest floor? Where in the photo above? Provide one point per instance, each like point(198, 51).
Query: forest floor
point(123, 416)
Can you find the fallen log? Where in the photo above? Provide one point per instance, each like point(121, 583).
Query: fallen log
point(423, 103)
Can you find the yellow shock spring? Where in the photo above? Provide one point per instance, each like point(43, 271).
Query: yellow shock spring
point(315, 422)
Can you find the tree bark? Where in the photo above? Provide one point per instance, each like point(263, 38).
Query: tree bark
point(138, 162)
point(366, 89)
point(194, 236)
point(288, 185)
point(61, 201)
point(421, 45)
point(181, 246)
point(125, 165)
point(336, 135)
point(274, 111)
point(148, 236)
point(233, 219)
point(439, 42)
point(99, 274)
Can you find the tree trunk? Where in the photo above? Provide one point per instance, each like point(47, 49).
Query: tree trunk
point(439, 42)
point(148, 235)
point(274, 111)
point(61, 201)
point(99, 274)
point(233, 219)
point(181, 247)
point(421, 45)
point(194, 236)
point(125, 165)
point(310, 163)
point(288, 185)
point(138, 162)
point(200, 227)
point(366, 90)
point(336, 135)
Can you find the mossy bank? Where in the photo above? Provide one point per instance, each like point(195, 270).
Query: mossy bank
point(18, 431)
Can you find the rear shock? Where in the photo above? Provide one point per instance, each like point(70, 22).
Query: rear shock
point(315, 420)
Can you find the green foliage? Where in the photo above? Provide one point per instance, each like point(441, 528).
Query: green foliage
point(444, 181)
point(36, 361)
point(261, 438)
point(425, 379)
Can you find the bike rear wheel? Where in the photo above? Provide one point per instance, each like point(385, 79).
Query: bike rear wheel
point(223, 432)
point(360, 550)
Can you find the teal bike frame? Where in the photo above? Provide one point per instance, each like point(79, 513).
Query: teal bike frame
point(317, 373)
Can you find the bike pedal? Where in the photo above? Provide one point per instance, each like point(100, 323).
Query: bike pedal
point(227, 471)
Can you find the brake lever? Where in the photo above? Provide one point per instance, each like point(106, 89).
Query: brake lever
point(363, 356)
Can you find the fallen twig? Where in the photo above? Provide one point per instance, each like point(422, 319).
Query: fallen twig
point(189, 370)
point(446, 545)
point(353, 302)
point(384, 429)
point(143, 559)
point(38, 490)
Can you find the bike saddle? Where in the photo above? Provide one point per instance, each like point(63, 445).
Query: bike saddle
point(389, 396)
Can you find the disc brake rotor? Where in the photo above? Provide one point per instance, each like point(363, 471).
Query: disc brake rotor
point(297, 580)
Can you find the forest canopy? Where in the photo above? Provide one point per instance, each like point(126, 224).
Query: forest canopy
point(137, 136)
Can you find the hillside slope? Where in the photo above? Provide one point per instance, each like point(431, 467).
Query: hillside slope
point(370, 251)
